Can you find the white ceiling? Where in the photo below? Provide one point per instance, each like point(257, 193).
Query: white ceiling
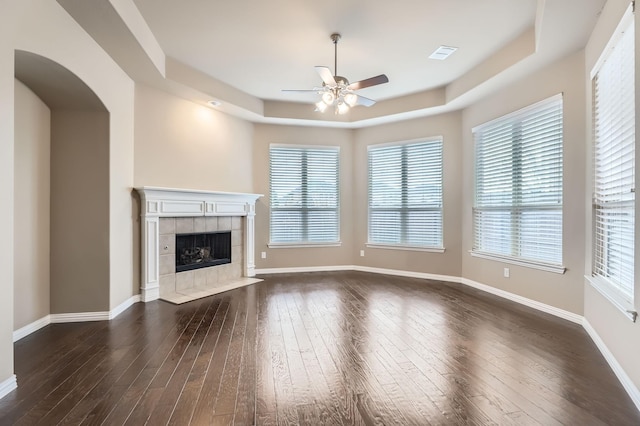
point(261, 47)
point(244, 52)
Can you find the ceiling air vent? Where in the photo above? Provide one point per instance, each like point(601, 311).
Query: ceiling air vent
point(442, 52)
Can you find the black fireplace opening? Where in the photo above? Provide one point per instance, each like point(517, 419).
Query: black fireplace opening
point(194, 251)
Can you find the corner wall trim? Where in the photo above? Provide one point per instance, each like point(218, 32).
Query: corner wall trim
point(30, 328)
point(124, 306)
point(8, 385)
point(622, 376)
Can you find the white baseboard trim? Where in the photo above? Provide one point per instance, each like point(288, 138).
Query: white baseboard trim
point(79, 317)
point(8, 385)
point(569, 316)
point(74, 317)
point(622, 376)
point(124, 306)
point(300, 269)
point(30, 328)
point(409, 274)
point(561, 313)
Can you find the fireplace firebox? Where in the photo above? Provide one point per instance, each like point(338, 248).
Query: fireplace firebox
point(201, 250)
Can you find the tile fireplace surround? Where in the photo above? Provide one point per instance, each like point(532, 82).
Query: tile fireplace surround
point(205, 208)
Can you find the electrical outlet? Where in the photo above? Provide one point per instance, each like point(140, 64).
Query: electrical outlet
point(361, 253)
point(263, 255)
point(506, 272)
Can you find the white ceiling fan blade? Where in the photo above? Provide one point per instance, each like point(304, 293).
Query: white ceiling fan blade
point(326, 76)
point(373, 81)
point(361, 100)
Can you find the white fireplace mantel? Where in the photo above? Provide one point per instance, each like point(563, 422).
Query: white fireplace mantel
point(169, 202)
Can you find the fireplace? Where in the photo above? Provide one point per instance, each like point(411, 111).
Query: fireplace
point(169, 212)
point(202, 250)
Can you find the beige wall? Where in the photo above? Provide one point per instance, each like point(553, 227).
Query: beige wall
point(447, 263)
point(180, 144)
point(79, 211)
point(561, 291)
point(619, 334)
point(310, 256)
point(31, 207)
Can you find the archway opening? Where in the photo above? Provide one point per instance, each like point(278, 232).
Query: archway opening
point(61, 230)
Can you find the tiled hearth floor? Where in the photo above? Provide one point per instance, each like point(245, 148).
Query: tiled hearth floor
point(187, 295)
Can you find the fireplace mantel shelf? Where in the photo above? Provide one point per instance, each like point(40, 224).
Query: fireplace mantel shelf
point(157, 202)
point(173, 202)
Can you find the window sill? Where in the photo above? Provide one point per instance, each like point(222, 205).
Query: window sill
point(303, 245)
point(408, 248)
point(610, 294)
point(556, 269)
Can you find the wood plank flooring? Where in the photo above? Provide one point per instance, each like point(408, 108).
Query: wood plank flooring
point(340, 348)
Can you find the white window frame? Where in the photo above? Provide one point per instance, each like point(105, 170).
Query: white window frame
point(440, 209)
point(304, 209)
point(611, 292)
point(514, 259)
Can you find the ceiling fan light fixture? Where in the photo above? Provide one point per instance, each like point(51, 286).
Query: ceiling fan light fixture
point(336, 91)
point(328, 97)
point(321, 106)
point(351, 99)
point(342, 107)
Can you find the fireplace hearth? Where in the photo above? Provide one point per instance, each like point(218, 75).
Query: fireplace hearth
point(202, 250)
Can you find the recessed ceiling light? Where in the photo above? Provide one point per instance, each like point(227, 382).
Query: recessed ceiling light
point(214, 103)
point(442, 52)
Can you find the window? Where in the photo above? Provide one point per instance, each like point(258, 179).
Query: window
point(517, 213)
point(614, 167)
point(304, 195)
point(405, 195)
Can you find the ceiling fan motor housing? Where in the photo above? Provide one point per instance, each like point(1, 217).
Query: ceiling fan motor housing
point(341, 81)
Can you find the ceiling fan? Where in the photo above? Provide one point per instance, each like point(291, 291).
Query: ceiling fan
point(336, 90)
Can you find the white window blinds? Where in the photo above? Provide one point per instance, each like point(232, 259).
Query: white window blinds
point(405, 194)
point(614, 166)
point(517, 211)
point(304, 195)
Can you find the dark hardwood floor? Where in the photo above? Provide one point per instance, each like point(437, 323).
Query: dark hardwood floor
point(322, 348)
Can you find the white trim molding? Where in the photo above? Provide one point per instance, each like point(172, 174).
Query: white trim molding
point(301, 269)
point(79, 317)
point(23, 332)
point(569, 316)
point(124, 306)
point(171, 202)
point(8, 385)
point(74, 317)
point(561, 313)
point(409, 274)
point(622, 376)
point(547, 267)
